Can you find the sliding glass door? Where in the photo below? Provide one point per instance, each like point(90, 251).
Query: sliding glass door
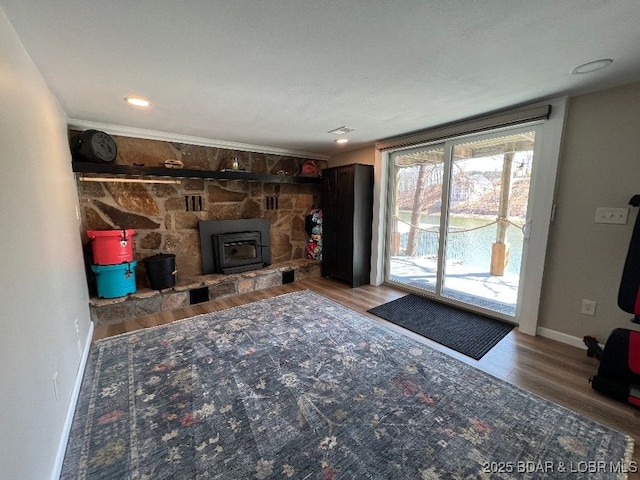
point(457, 226)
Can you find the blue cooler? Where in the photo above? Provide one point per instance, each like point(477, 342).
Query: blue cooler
point(115, 280)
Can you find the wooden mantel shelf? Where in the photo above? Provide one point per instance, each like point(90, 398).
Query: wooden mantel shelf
point(106, 169)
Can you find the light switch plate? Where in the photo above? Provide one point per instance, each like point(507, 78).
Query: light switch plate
point(618, 216)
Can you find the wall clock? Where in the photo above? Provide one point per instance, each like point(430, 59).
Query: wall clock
point(95, 146)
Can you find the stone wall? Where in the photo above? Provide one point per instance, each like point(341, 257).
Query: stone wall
point(166, 217)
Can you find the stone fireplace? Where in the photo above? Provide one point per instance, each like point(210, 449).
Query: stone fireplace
point(166, 216)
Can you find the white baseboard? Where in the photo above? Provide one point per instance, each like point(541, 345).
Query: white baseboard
point(561, 337)
point(73, 401)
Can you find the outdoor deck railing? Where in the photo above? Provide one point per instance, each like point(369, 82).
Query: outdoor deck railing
point(428, 243)
point(470, 244)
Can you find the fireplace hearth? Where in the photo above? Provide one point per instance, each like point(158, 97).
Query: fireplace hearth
point(234, 246)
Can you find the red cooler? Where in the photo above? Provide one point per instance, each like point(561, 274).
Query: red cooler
point(112, 247)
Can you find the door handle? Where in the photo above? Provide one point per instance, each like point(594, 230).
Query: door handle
point(526, 229)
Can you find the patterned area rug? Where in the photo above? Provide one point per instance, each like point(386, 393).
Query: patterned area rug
point(469, 333)
point(300, 387)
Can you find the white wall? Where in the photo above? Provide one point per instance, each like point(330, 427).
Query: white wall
point(365, 155)
point(42, 284)
point(599, 167)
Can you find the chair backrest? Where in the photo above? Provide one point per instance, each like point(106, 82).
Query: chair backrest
point(629, 292)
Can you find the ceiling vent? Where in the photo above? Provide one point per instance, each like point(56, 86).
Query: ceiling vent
point(341, 130)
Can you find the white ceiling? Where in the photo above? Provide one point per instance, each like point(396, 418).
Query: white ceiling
point(282, 73)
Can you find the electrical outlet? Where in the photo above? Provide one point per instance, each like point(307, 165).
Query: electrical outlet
point(55, 385)
point(77, 329)
point(588, 307)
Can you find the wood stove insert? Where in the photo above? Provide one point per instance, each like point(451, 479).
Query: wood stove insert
point(234, 246)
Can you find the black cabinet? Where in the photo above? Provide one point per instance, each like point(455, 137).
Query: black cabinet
point(347, 214)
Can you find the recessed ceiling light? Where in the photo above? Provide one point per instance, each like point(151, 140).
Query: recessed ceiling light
point(137, 101)
point(592, 66)
point(342, 140)
point(341, 130)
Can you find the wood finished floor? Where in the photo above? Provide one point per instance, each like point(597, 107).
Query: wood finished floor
point(545, 367)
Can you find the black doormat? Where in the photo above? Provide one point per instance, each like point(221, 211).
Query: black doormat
point(466, 332)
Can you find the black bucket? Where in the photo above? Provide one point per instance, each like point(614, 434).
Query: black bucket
point(161, 270)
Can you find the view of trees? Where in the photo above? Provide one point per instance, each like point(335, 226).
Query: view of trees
point(419, 190)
